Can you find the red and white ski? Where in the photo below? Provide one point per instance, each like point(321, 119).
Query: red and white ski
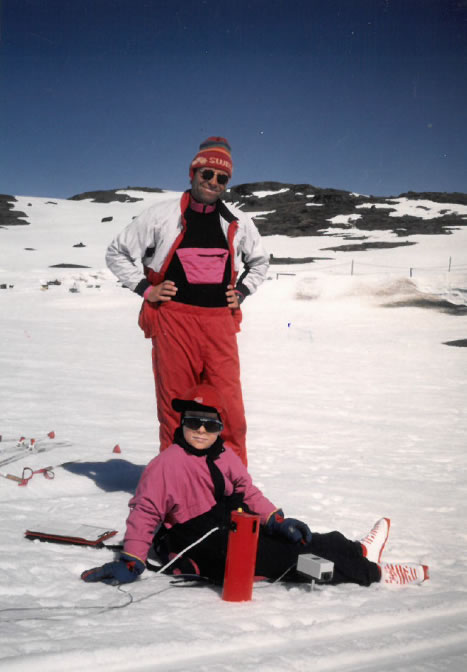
point(23, 447)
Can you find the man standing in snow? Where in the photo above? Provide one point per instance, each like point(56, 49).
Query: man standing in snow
point(191, 251)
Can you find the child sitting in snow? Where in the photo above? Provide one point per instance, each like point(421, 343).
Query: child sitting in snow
point(193, 486)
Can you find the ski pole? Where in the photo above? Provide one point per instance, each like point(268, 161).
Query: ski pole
point(48, 472)
point(28, 473)
point(12, 477)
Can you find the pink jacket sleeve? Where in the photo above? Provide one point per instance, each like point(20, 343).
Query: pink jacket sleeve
point(148, 508)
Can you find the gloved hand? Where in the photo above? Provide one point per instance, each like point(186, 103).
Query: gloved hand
point(125, 570)
point(292, 529)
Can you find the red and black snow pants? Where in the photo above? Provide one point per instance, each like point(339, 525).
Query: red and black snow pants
point(193, 345)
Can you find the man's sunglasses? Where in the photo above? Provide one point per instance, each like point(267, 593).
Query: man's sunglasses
point(208, 174)
point(210, 425)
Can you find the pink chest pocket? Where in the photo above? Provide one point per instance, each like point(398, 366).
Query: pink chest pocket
point(203, 266)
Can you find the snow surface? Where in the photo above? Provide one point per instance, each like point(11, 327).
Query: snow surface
point(343, 219)
point(356, 409)
point(263, 194)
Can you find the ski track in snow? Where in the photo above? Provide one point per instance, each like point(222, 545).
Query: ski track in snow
point(355, 410)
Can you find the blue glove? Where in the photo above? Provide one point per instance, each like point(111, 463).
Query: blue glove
point(125, 570)
point(292, 529)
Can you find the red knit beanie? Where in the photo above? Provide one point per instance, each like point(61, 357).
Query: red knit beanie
point(213, 153)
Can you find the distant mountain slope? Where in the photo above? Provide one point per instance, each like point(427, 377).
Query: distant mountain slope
point(302, 209)
point(112, 195)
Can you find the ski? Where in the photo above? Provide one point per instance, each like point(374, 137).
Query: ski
point(23, 439)
point(9, 439)
point(25, 447)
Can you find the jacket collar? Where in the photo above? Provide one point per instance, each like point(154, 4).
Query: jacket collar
point(212, 452)
point(204, 208)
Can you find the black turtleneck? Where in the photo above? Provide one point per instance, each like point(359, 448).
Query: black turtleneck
point(203, 232)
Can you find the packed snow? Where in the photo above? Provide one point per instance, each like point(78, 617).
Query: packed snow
point(347, 220)
point(263, 194)
point(356, 410)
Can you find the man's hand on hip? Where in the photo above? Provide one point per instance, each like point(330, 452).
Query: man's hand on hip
point(163, 292)
point(232, 298)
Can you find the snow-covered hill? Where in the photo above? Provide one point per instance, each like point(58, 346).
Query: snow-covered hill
point(355, 409)
point(299, 210)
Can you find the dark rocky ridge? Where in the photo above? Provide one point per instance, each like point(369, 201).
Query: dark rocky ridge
point(111, 195)
point(294, 216)
point(8, 216)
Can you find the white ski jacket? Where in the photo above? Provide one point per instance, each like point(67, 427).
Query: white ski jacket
point(139, 255)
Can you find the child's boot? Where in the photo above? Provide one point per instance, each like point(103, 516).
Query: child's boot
point(403, 574)
point(374, 542)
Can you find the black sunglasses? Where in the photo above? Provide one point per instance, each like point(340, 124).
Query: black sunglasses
point(208, 174)
point(210, 425)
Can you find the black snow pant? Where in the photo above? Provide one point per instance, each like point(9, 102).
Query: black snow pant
point(275, 558)
point(276, 555)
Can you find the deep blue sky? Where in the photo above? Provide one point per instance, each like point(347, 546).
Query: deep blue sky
point(363, 95)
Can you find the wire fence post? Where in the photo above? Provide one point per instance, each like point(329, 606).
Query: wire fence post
point(351, 268)
point(449, 265)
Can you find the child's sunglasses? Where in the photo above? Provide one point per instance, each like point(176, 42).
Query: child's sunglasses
point(210, 425)
point(208, 174)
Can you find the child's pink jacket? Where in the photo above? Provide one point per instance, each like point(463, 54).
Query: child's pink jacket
point(177, 486)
